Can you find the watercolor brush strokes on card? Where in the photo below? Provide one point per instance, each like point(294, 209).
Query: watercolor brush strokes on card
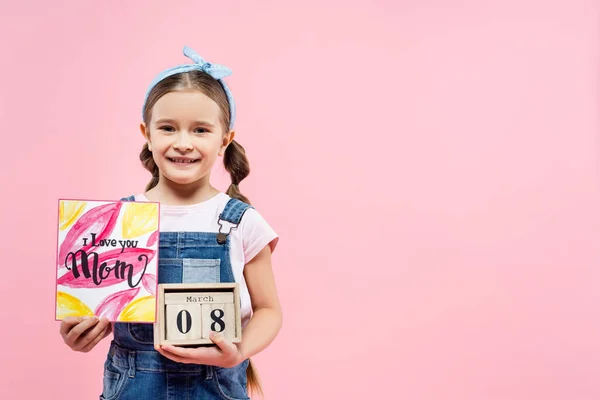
point(107, 260)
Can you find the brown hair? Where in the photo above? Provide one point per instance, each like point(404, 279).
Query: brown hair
point(235, 160)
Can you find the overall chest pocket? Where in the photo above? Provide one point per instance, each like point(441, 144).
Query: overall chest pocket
point(178, 270)
point(189, 270)
point(201, 270)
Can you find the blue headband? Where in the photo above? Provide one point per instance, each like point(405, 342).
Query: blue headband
point(215, 70)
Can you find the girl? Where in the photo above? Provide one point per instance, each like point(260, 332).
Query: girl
point(188, 119)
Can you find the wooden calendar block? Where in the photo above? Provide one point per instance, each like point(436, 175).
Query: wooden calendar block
point(199, 298)
point(187, 313)
point(184, 321)
point(218, 318)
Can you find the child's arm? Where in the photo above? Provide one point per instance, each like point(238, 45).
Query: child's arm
point(266, 321)
point(257, 335)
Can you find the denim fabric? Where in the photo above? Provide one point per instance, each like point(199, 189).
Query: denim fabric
point(134, 369)
point(133, 374)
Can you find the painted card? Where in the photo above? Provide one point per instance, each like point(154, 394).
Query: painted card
point(107, 260)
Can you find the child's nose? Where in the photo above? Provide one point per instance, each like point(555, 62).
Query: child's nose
point(183, 142)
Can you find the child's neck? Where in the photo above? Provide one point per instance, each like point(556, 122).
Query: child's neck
point(170, 193)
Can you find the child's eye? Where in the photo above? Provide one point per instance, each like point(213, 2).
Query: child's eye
point(167, 128)
point(200, 130)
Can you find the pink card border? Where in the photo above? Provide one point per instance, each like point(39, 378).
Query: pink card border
point(107, 201)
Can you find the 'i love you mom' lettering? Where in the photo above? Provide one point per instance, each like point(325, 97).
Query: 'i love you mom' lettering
point(111, 243)
point(112, 265)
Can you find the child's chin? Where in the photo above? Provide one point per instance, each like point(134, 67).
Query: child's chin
point(183, 180)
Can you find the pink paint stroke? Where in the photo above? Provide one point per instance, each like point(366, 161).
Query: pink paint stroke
point(152, 239)
point(99, 220)
point(129, 256)
point(149, 282)
point(112, 306)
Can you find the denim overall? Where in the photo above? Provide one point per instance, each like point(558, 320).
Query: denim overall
point(133, 368)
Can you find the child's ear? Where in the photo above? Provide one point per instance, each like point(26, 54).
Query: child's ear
point(227, 139)
point(146, 135)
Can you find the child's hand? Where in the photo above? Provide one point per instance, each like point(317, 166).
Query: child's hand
point(225, 354)
point(84, 333)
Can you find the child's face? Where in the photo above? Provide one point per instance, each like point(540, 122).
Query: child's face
point(185, 136)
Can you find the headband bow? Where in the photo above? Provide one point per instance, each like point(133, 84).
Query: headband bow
point(217, 71)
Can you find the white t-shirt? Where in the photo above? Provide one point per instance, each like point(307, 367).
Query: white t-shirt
point(246, 241)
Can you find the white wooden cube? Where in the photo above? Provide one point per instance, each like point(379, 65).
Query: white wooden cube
point(188, 313)
point(218, 318)
point(184, 321)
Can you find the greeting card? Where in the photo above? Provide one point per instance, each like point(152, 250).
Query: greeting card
point(107, 260)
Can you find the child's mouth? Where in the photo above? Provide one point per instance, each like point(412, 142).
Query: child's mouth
point(178, 160)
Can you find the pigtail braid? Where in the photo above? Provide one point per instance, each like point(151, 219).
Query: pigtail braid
point(150, 165)
point(236, 163)
point(254, 386)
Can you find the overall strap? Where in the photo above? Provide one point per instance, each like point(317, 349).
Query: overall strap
point(130, 198)
point(232, 213)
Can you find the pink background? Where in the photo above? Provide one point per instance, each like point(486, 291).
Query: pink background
point(430, 165)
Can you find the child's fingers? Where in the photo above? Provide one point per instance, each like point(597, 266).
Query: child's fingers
point(227, 347)
point(108, 329)
point(79, 329)
point(173, 357)
point(92, 336)
point(93, 343)
point(68, 323)
point(185, 352)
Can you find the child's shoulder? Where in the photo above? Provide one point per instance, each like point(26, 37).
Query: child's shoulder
point(231, 208)
point(225, 199)
point(223, 204)
point(254, 229)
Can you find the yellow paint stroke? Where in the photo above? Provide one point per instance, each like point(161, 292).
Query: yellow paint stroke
point(69, 211)
point(139, 219)
point(139, 310)
point(70, 306)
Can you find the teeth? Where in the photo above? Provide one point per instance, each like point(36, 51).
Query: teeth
point(182, 160)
